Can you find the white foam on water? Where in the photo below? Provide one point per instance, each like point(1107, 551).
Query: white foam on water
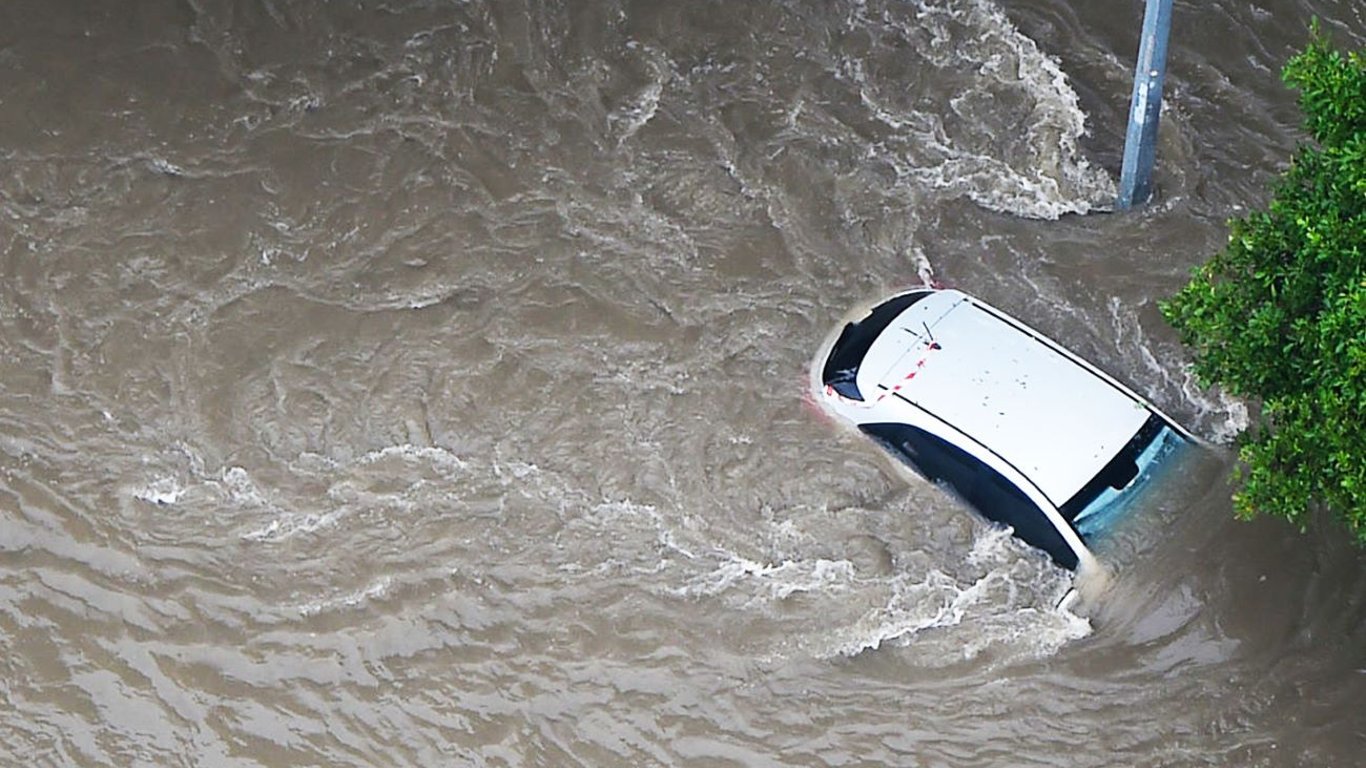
point(241, 488)
point(1050, 176)
point(1060, 179)
point(1235, 419)
point(1005, 603)
point(438, 458)
point(289, 525)
point(243, 492)
point(637, 110)
point(397, 478)
point(769, 582)
point(923, 268)
point(935, 601)
point(517, 470)
point(162, 491)
point(1229, 415)
point(355, 599)
point(616, 518)
point(1001, 598)
point(165, 167)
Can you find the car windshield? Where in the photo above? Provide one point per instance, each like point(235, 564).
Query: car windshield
point(1108, 503)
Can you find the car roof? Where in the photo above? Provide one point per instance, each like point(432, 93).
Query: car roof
point(986, 376)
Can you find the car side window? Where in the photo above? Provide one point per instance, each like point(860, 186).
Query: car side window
point(981, 487)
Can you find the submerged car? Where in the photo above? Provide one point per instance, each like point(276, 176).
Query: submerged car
point(1024, 431)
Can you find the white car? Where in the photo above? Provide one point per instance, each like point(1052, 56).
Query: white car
point(1023, 431)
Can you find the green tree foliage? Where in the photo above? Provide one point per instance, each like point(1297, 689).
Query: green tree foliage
point(1280, 314)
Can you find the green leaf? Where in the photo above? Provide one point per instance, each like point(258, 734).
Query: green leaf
point(1280, 314)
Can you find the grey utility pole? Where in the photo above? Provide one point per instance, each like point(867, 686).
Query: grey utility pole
point(1140, 143)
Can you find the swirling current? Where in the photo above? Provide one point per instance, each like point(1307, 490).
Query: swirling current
point(423, 382)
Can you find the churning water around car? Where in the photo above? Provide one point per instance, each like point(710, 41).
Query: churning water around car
point(423, 382)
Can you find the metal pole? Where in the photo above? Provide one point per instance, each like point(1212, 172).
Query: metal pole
point(1140, 143)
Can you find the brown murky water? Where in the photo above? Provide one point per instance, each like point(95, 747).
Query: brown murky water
point(421, 383)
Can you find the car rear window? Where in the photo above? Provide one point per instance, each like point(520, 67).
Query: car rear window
point(841, 367)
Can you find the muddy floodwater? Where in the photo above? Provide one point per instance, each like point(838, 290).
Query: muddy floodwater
point(424, 383)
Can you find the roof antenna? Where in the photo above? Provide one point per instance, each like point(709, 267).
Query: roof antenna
point(933, 344)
